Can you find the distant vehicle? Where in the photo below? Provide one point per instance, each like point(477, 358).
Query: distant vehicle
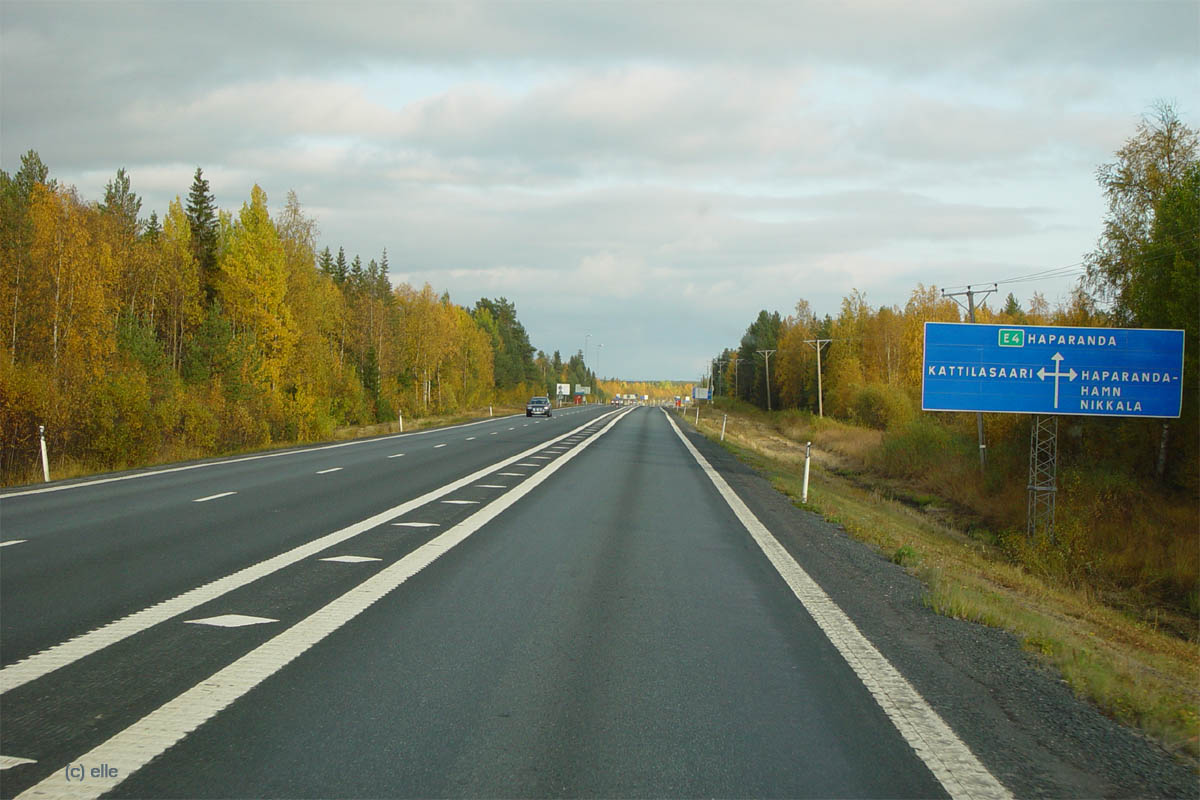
point(537, 405)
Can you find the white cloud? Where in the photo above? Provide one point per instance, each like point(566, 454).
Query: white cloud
point(618, 167)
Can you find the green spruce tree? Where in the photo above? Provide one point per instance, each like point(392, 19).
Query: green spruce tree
point(202, 217)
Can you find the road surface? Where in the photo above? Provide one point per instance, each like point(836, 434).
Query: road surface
point(596, 604)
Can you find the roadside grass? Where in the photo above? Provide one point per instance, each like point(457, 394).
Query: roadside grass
point(66, 467)
point(1142, 674)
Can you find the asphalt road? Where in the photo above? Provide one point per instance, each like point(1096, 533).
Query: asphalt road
point(562, 607)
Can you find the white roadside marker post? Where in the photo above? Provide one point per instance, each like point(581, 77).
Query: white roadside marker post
point(402, 422)
point(724, 419)
point(807, 456)
point(45, 461)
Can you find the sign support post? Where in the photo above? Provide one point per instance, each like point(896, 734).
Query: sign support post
point(1043, 470)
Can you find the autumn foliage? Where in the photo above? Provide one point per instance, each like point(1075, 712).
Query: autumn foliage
point(138, 340)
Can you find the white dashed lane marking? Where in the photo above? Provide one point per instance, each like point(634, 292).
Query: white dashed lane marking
point(213, 497)
point(326, 471)
point(351, 559)
point(397, 455)
point(462, 502)
point(416, 524)
point(13, 541)
point(230, 621)
point(436, 446)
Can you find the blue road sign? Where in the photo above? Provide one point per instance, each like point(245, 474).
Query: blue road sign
point(1033, 369)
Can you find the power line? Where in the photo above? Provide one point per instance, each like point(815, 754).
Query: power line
point(1080, 268)
point(1045, 274)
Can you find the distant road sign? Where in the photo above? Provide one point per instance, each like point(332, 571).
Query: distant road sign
point(701, 393)
point(1034, 369)
point(564, 389)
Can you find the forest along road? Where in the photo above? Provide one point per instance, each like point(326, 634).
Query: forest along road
point(595, 604)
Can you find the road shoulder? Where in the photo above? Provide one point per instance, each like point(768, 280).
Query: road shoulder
point(1019, 718)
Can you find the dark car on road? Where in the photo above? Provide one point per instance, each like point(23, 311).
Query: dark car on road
point(537, 405)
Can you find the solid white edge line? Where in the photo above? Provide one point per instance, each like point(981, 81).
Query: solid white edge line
point(935, 743)
point(162, 728)
point(292, 451)
point(60, 655)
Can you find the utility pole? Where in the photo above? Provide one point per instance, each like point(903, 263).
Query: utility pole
point(736, 361)
point(766, 354)
point(716, 362)
point(817, 344)
point(970, 294)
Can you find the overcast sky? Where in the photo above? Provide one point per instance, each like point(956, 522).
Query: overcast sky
point(651, 174)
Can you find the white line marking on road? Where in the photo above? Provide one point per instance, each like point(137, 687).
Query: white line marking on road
point(947, 756)
point(13, 761)
point(461, 502)
point(470, 438)
point(213, 497)
point(489, 486)
point(513, 474)
point(83, 645)
point(397, 455)
point(436, 446)
point(326, 471)
point(529, 465)
point(231, 621)
point(159, 730)
point(512, 429)
point(495, 433)
point(351, 559)
point(416, 524)
point(276, 454)
point(13, 541)
point(542, 458)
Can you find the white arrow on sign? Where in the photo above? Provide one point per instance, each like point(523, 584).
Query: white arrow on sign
point(1058, 373)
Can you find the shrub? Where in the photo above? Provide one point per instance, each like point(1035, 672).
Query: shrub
point(881, 407)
